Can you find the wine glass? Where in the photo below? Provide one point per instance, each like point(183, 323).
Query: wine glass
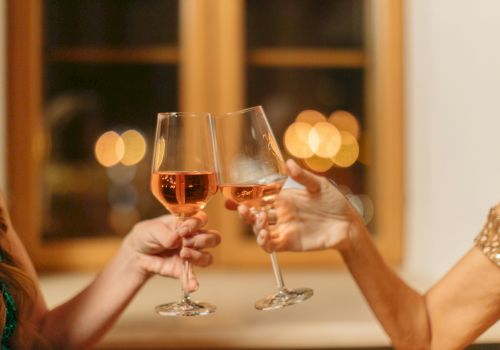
point(183, 180)
point(251, 171)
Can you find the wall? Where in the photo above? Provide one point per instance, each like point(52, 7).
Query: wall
point(2, 95)
point(452, 127)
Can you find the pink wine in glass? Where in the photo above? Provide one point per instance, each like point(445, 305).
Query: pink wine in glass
point(255, 196)
point(183, 193)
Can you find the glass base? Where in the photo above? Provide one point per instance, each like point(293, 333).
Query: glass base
point(185, 307)
point(284, 297)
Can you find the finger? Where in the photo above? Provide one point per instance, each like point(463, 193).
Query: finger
point(192, 224)
point(231, 205)
point(304, 177)
point(246, 214)
point(264, 240)
point(196, 257)
point(261, 221)
point(209, 239)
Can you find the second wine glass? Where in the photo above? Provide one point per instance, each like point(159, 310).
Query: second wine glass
point(183, 180)
point(251, 171)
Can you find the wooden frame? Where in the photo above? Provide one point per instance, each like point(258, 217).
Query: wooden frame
point(212, 62)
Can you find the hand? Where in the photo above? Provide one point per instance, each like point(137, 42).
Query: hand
point(317, 217)
point(160, 248)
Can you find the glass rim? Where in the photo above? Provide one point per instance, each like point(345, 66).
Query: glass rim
point(241, 111)
point(162, 115)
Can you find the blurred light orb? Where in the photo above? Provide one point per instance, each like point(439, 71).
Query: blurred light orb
point(368, 208)
point(357, 203)
point(318, 164)
point(123, 196)
point(311, 117)
point(296, 140)
point(345, 121)
point(120, 174)
point(324, 140)
point(365, 149)
point(135, 147)
point(109, 149)
point(122, 221)
point(349, 151)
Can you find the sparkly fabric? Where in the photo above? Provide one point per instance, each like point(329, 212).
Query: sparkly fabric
point(10, 305)
point(10, 313)
point(488, 239)
point(10, 319)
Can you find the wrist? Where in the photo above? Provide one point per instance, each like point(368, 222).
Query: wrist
point(353, 229)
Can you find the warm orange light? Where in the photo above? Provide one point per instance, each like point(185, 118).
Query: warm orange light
point(318, 164)
point(135, 147)
point(349, 151)
point(121, 220)
point(310, 116)
point(365, 155)
point(109, 149)
point(368, 208)
point(296, 140)
point(345, 121)
point(324, 139)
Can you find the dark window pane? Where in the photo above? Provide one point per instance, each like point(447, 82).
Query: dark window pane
point(110, 22)
point(81, 196)
point(320, 23)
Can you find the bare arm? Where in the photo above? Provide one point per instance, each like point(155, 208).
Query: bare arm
point(401, 311)
point(464, 303)
point(153, 247)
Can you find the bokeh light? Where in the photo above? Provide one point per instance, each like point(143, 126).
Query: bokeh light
point(311, 117)
point(109, 149)
point(318, 164)
point(121, 174)
point(345, 121)
point(122, 221)
point(368, 208)
point(365, 149)
point(349, 151)
point(324, 140)
point(296, 140)
point(135, 147)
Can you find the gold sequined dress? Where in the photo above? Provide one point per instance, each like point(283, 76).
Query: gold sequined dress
point(488, 239)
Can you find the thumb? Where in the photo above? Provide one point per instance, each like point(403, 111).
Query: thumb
point(304, 177)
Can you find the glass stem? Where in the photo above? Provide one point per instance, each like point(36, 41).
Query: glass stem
point(185, 288)
point(277, 271)
point(185, 270)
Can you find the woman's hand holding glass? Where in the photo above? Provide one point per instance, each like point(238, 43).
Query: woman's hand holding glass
point(315, 217)
point(158, 247)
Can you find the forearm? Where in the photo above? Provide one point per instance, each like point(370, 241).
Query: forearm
point(400, 309)
point(83, 320)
